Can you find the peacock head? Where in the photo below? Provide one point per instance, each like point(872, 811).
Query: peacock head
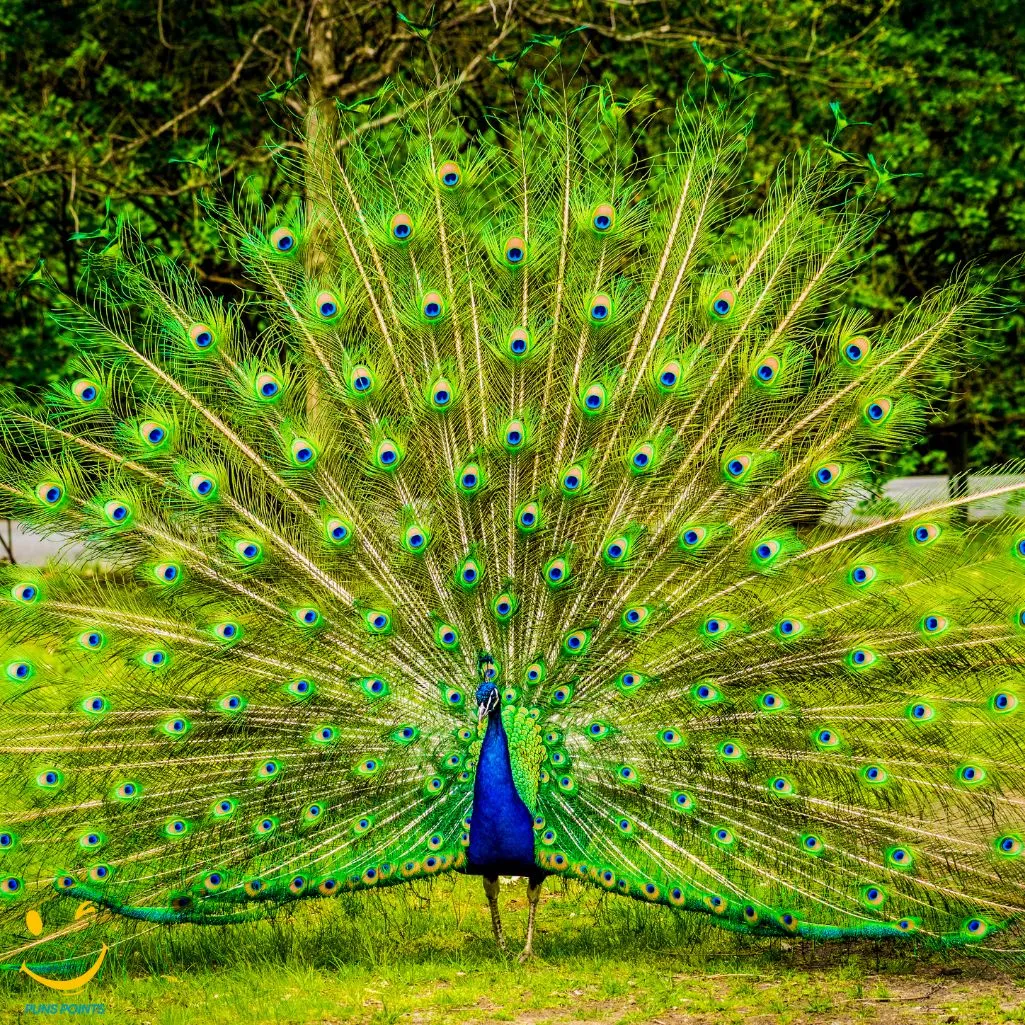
point(487, 692)
point(487, 700)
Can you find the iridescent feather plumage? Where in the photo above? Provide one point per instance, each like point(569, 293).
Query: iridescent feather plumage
point(543, 399)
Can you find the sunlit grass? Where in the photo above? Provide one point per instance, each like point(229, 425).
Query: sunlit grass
point(424, 954)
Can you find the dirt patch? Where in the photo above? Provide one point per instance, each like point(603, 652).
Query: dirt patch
point(935, 998)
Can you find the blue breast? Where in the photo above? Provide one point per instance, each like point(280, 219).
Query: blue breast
point(501, 826)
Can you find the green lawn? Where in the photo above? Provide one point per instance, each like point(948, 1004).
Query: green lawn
point(424, 954)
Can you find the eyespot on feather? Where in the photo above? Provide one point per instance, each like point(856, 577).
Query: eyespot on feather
point(449, 174)
point(283, 240)
point(723, 304)
point(600, 309)
point(87, 391)
point(518, 343)
point(766, 370)
point(328, 306)
point(855, 350)
point(514, 252)
point(400, 227)
point(603, 218)
point(877, 411)
point(202, 337)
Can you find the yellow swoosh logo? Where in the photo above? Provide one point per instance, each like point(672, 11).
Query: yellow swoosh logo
point(67, 984)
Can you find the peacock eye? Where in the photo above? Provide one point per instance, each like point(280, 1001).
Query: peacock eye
point(328, 305)
point(401, 226)
point(361, 379)
point(600, 309)
point(877, 410)
point(722, 305)
point(854, 350)
point(766, 370)
point(432, 306)
point(515, 251)
point(201, 336)
point(449, 174)
point(518, 342)
point(85, 391)
point(283, 240)
point(603, 217)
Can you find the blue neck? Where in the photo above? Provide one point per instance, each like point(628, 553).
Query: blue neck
point(501, 826)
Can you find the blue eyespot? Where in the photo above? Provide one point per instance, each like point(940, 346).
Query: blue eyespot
point(640, 459)
point(303, 454)
point(361, 382)
point(432, 309)
point(599, 311)
point(518, 345)
point(283, 240)
point(824, 474)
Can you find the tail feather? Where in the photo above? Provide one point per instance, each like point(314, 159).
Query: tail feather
point(545, 396)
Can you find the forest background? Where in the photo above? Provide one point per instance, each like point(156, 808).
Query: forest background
point(136, 107)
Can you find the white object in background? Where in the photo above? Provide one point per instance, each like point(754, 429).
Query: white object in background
point(33, 550)
point(915, 492)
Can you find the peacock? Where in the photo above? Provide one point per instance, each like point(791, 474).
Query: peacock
point(523, 519)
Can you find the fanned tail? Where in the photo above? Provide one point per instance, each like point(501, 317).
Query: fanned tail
point(545, 396)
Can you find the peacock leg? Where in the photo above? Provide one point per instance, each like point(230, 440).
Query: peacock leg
point(533, 896)
point(491, 888)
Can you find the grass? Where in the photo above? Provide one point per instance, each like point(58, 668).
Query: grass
point(424, 955)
